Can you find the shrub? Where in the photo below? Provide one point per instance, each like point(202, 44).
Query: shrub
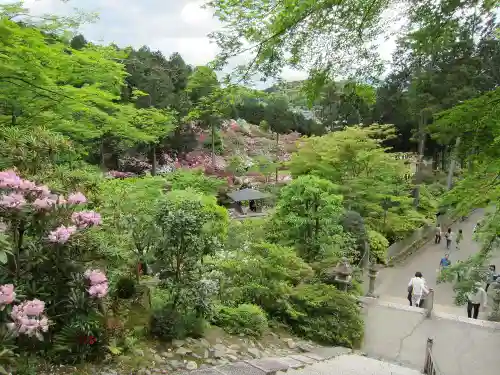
point(378, 246)
point(324, 314)
point(245, 319)
point(126, 287)
point(168, 324)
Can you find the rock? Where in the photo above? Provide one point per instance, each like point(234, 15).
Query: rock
point(254, 352)
point(167, 355)
point(144, 372)
point(177, 343)
point(235, 347)
point(305, 347)
point(218, 340)
point(260, 346)
point(191, 365)
point(176, 364)
point(183, 351)
point(218, 351)
point(158, 359)
point(204, 343)
point(291, 344)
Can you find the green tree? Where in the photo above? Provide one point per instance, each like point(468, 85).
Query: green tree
point(355, 161)
point(308, 216)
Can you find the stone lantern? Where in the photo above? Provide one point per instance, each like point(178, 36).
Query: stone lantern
point(343, 273)
point(372, 275)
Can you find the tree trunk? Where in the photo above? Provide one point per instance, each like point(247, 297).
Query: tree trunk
point(277, 151)
point(101, 150)
point(418, 171)
point(213, 147)
point(451, 170)
point(153, 161)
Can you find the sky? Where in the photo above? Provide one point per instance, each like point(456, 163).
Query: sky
point(166, 25)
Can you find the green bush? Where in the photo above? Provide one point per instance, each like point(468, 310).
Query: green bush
point(324, 314)
point(125, 287)
point(247, 319)
point(168, 324)
point(378, 246)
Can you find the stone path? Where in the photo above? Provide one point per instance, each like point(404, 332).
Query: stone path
point(392, 282)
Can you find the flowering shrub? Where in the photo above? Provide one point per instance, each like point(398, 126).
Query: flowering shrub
point(43, 237)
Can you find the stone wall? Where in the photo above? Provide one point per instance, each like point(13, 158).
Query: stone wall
point(399, 333)
point(401, 249)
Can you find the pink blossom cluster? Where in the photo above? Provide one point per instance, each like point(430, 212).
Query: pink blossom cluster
point(7, 295)
point(28, 319)
point(22, 192)
point(98, 283)
point(85, 219)
point(62, 234)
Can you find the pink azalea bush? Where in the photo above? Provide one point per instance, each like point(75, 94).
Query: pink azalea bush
point(85, 219)
point(98, 283)
point(62, 234)
point(7, 295)
point(28, 318)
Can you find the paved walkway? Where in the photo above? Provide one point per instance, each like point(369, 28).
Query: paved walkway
point(392, 282)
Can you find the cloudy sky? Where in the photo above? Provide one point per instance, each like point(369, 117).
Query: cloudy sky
point(166, 25)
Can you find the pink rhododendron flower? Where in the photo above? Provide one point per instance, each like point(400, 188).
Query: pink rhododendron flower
point(43, 191)
point(9, 179)
point(61, 234)
point(98, 283)
point(43, 203)
point(7, 295)
point(86, 219)
point(28, 319)
point(12, 200)
point(77, 198)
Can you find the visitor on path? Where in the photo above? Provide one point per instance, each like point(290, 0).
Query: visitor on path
point(460, 272)
point(460, 237)
point(476, 299)
point(491, 277)
point(437, 239)
point(477, 226)
point(417, 288)
point(445, 262)
point(449, 238)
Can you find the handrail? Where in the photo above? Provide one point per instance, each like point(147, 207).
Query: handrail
point(430, 365)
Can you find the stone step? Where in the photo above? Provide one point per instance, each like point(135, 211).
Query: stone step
point(271, 366)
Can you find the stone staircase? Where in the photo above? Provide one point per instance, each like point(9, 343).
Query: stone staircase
point(320, 361)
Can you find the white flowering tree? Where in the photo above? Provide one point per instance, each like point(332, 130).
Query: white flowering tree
point(44, 283)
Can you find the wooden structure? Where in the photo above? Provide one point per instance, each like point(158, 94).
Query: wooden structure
point(253, 197)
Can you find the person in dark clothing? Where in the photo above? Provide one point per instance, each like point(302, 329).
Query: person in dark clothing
point(491, 276)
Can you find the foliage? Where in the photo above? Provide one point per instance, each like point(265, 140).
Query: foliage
point(125, 287)
point(193, 179)
point(323, 313)
point(249, 320)
point(364, 174)
point(378, 246)
point(169, 323)
point(263, 274)
point(308, 214)
point(294, 32)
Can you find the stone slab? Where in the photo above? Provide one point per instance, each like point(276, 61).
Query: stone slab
point(331, 352)
point(303, 358)
point(201, 371)
point(240, 368)
point(314, 356)
point(269, 365)
point(292, 363)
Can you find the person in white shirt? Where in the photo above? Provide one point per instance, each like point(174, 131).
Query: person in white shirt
point(476, 299)
point(437, 238)
point(449, 238)
point(418, 289)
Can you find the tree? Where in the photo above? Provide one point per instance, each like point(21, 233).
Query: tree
point(295, 32)
point(355, 161)
point(308, 216)
point(476, 122)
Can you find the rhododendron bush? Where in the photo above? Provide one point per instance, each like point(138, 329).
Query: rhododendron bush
point(45, 277)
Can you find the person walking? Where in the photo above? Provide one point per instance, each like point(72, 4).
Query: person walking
point(491, 276)
point(449, 238)
point(476, 299)
point(418, 289)
point(460, 237)
point(445, 262)
point(437, 239)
